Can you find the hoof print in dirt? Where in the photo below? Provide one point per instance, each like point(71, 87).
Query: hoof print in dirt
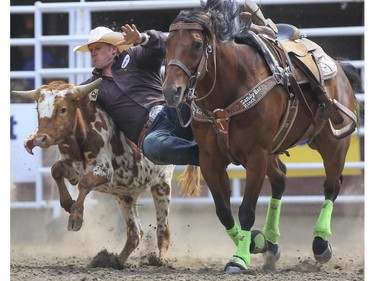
point(106, 260)
point(153, 260)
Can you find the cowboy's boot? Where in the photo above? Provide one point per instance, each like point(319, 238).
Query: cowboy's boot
point(257, 15)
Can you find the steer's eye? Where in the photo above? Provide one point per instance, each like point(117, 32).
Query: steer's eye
point(63, 110)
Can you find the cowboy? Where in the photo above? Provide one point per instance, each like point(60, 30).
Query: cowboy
point(129, 64)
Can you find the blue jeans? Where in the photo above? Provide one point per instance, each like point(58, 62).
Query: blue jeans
point(167, 142)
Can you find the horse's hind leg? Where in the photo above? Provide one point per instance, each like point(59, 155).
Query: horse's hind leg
point(162, 199)
point(276, 172)
point(333, 153)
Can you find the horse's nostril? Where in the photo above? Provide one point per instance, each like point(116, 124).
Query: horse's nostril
point(177, 94)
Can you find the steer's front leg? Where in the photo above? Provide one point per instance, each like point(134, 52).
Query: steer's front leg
point(60, 170)
point(87, 183)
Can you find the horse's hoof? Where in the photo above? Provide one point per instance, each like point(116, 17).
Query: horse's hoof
point(258, 242)
point(322, 250)
point(232, 269)
point(272, 255)
point(235, 264)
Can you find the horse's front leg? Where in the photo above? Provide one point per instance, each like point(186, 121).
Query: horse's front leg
point(255, 174)
point(218, 182)
point(60, 170)
point(87, 183)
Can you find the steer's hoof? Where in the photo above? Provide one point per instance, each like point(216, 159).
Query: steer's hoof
point(322, 250)
point(74, 225)
point(235, 264)
point(272, 255)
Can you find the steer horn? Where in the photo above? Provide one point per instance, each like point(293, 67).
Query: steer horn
point(31, 95)
point(88, 88)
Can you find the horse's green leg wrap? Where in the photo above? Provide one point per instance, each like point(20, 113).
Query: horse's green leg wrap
point(244, 240)
point(322, 227)
point(271, 228)
point(233, 233)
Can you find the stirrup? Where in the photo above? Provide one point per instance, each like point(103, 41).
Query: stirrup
point(346, 130)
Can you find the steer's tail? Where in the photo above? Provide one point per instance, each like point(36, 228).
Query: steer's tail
point(190, 181)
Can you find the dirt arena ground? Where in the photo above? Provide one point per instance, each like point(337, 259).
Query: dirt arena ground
point(42, 249)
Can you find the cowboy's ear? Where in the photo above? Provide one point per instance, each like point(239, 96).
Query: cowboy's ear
point(114, 50)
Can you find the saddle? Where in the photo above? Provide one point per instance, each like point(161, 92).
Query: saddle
point(310, 54)
point(292, 41)
point(300, 61)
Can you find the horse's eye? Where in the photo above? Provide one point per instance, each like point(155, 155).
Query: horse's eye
point(198, 45)
point(63, 110)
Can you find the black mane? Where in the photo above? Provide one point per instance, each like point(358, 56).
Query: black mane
point(219, 17)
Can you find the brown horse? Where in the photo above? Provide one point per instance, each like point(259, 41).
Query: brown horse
point(251, 100)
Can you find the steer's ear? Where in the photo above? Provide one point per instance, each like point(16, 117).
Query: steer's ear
point(27, 96)
point(83, 90)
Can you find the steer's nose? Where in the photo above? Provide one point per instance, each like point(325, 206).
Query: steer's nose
point(41, 140)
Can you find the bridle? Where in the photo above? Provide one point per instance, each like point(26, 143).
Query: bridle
point(194, 77)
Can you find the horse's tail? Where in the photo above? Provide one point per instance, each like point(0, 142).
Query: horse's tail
point(355, 81)
point(353, 76)
point(189, 181)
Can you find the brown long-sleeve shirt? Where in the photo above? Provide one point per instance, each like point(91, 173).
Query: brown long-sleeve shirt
point(136, 85)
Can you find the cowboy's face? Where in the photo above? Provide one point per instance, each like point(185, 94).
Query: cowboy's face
point(102, 54)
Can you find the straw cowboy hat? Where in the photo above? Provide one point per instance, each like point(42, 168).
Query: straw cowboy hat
point(105, 35)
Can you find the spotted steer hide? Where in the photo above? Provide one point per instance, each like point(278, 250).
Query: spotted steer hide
point(95, 155)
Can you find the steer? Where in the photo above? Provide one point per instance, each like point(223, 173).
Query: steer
point(95, 155)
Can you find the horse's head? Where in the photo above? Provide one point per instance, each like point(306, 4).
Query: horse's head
point(191, 49)
point(187, 55)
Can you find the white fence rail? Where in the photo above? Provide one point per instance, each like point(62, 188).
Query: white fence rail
point(80, 68)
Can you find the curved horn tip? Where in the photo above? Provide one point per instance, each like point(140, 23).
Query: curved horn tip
point(97, 81)
point(26, 95)
point(87, 88)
